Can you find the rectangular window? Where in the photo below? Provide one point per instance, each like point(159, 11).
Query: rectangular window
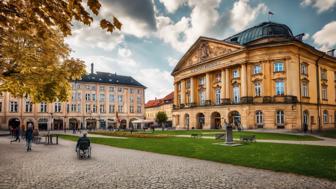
point(94, 97)
point(120, 89)
point(102, 97)
point(57, 107)
point(179, 86)
point(218, 96)
point(202, 97)
point(131, 99)
point(102, 108)
point(188, 84)
point(257, 88)
point(279, 88)
point(139, 91)
point(120, 108)
point(278, 67)
point(87, 97)
point(43, 107)
point(93, 87)
point(235, 73)
point(139, 109)
point(120, 99)
point(325, 92)
point(280, 120)
point(68, 108)
point(324, 75)
point(131, 109)
point(87, 108)
point(138, 99)
point(257, 69)
point(304, 69)
point(73, 98)
point(236, 94)
point(304, 89)
point(201, 81)
point(87, 87)
point(111, 98)
point(111, 89)
point(73, 107)
point(29, 106)
point(101, 88)
point(259, 118)
point(79, 108)
point(94, 108)
point(111, 108)
point(79, 96)
point(131, 91)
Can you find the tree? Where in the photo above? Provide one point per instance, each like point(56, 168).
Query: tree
point(34, 60)
point(161, 118)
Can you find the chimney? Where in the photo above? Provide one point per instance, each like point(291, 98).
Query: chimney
point(91, 68)
point(331, 52)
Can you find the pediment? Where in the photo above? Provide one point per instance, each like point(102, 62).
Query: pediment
point(204, 49)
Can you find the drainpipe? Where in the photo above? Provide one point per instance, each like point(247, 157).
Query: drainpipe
point(300, 92)
point(318, 83)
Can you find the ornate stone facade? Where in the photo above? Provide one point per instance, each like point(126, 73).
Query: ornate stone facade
point(271, 81)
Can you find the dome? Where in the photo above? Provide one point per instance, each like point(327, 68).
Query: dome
point(265, 29)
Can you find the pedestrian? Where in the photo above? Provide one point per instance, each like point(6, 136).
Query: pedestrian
point(29, 136)
point(16, 134)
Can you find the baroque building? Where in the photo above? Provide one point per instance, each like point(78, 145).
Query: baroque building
point(262, 77)
point(99, 101)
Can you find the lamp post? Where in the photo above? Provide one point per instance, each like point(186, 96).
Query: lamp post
point(52, 120)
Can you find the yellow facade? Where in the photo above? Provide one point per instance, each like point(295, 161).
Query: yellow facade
point(217, 80)
point(150, 112)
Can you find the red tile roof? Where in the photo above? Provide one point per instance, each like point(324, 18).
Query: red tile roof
point(158, 102)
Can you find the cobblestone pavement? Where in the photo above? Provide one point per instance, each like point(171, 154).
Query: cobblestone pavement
point(56, 166)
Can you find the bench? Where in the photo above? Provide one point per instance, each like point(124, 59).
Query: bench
point(219, 136)
point(37, 139)
point(248, 138)
point(194, 135)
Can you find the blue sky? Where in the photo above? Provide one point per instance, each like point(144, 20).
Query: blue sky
point(156, 33)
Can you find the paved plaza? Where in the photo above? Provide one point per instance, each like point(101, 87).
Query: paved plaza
point(56, 166)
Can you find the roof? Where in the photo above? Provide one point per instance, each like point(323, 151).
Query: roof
point(158, 102)
point(105, 77)
point(265, 29)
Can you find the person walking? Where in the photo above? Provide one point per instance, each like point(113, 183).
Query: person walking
point(16, 134)
point(29, 136)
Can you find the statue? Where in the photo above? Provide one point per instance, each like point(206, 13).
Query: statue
point(229, 133)
point(205, 52)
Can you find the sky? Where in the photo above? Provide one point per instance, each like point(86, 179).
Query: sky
point(156, 33)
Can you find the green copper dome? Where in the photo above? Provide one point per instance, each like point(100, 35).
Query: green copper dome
point(265, 29)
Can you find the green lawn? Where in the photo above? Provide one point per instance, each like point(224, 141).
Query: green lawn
point(270, 136)
point(307, 160)
point(330, 134)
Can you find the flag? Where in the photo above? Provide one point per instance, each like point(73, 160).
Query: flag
point(270, 13)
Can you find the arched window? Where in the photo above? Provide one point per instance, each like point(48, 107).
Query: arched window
point(259, 118)
point(325, 116)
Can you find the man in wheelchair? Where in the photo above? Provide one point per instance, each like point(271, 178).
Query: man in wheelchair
point(83, 147)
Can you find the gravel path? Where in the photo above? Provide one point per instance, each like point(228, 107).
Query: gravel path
point(56, 166)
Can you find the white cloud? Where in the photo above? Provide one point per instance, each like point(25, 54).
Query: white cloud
point(124, 52)
point(172, 61)
point(172, 5)
point(320, 5)
point(180, 35)
point(326, 37)
point(94, 37)
point(242, 14)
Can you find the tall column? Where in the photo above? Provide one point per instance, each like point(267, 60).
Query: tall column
point(243, 80)
point(183, 92)
point(223, 84)
point(192, 90)
point(208, 86)
point(227, 83)
point(175, 94)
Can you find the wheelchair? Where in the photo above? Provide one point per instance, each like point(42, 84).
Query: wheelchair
point(83, 150)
